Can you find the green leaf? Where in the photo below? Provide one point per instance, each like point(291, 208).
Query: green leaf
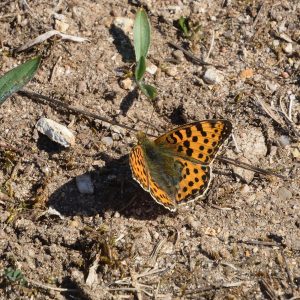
point(183, 25)
point(140, 69)
point(141, 34)
point(16, 78)
point(148, 90)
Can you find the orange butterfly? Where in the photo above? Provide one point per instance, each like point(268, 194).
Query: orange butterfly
point(175, 167)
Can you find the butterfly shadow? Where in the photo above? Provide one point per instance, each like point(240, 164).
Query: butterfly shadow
point(114, 191)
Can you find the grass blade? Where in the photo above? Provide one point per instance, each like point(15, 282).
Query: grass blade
point(16, 78)
point(141, 34)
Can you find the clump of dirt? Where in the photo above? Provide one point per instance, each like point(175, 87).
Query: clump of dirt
point(240, 241)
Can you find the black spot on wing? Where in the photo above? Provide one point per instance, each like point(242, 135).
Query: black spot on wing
point(179, 134)
point(188, 132)
point(189, 152)
point(199, 128)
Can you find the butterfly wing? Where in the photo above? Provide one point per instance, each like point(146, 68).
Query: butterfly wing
point(194, 181)
point(160, 196)
point(199, 141)
point(141, 174)
point(138, 167)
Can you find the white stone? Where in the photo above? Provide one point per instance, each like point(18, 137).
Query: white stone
point(84, 184)
point(107, 140)
point(61, 26)
point(284, 140)
point(151, 69)
point(56, 132)
point(288, 48)
point(212, 76)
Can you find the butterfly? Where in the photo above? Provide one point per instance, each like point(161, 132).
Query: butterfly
point(175, 168)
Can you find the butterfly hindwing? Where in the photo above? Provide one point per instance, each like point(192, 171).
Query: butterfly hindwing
point(160, 196)
point(141, 174)
point(194, 183)
point(197, 141)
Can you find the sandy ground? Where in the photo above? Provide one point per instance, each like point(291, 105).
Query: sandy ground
point(241, 241)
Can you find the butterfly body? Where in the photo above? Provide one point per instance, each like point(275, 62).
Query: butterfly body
point(161, 165)
point(175, 167)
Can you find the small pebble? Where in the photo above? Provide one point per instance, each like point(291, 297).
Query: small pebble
point(285, 74)
point(288, 48)
point(212, 76)
point(247, 73)
point(178, 54)
point(284, 140)
point(115, 136)
point(81, 87)
point(126, 84)
point(107, 140)
point(171, 71)
point(56, 132)
point(272, 86)
point(84, 184)
point(245, 189)
point(276, 43)
point(284, 194)
point(61, 26)
point(151, 69)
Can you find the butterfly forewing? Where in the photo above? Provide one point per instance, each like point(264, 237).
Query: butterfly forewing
point(197, 141)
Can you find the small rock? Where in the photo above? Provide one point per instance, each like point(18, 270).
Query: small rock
point(178, 54)
point(284, 140)
point(285, 74)
point(288, 48)
point(56, 132)
point(196, 225)
point(81, 87)
point(115, 136)
point(117, 129)
point(272, 86)
point(107, 140)
point(126, 84)
point(212, 76)
point(84, 184)
point(4, 216)
point(151, 69)
point(61, 26)
point(296, 152)
point(284, 194)
point(246, 175)
point(247, 73)
point(126, 24)
point(171, 71)
point(276, 43)
point(245, 189)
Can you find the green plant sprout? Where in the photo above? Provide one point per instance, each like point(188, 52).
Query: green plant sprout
point(13, 80)
point(14, 275)
point(142, 37)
